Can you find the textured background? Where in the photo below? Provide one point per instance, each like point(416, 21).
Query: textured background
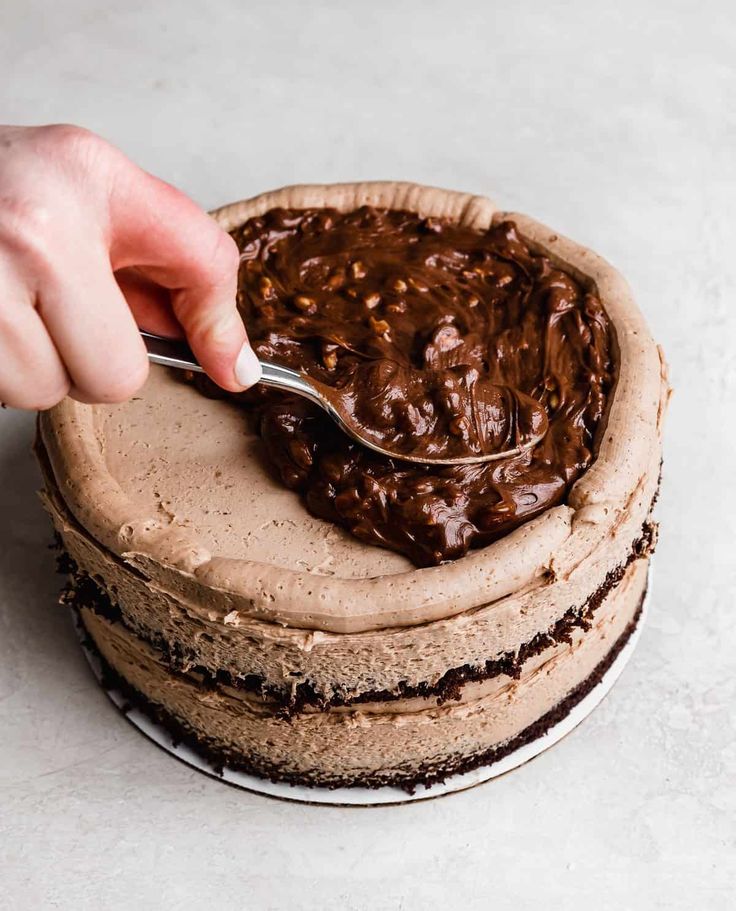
point(617, 128)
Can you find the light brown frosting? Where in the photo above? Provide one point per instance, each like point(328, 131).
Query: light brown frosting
point(172, 484)
point(220, 638)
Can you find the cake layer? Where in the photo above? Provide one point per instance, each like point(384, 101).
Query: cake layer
point(297, 665)
point(402, 742)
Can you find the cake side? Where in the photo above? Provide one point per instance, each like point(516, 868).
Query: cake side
point(330, 666)
point(402, 743)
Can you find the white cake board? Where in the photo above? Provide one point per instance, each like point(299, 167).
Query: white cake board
point(387, 795)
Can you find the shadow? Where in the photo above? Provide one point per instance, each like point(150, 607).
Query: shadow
point(35, 627)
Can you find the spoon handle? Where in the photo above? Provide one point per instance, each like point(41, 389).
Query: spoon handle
point(176, 353)
point(170, 352)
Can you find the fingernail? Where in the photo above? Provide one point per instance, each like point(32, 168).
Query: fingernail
point(247, 368)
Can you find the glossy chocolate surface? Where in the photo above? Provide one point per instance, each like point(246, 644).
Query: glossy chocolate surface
point(436, 335)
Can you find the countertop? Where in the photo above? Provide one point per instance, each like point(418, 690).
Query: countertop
point(617, 128)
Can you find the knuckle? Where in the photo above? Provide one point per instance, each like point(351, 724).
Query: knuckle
point(222, 264)
point(215, 339)
point(44, 186)
point(27, 226)
point(204, 324)
point(71, 141)
point(78, 156)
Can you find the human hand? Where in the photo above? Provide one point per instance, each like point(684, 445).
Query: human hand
point(91, 247)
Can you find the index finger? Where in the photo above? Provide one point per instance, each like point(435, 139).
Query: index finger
point(163, 233)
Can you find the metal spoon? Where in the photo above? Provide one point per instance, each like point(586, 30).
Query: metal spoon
point(175, 353)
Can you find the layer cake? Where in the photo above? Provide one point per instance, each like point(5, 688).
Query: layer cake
point(297, 608)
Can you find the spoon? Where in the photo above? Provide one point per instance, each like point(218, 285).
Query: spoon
point(175, 353)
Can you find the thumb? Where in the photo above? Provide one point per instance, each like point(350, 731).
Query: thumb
point(169, 239)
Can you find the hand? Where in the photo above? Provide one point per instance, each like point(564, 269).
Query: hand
point(90, 246)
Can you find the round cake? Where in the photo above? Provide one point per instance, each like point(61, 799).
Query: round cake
point(295, 606)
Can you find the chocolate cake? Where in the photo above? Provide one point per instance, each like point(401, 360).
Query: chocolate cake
point(296, 606)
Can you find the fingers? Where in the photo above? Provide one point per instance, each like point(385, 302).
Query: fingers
point(74, 211)
point(93, 331)
point(217, 338)
point(149, 303)
point(32, 374)
point(170, 240)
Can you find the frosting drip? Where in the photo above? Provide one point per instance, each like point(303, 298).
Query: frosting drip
point(429, 331)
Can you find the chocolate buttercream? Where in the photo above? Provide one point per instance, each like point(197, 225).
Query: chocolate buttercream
point(438, 340)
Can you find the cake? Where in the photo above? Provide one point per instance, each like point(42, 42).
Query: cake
point(296, 607)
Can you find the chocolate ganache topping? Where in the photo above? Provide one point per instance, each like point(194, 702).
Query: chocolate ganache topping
point(455, 413)
point(428, 331)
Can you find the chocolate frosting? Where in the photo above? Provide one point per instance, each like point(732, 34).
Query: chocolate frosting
point(433, 414)
point(432, 331)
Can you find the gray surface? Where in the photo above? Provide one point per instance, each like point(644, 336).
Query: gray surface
point(617, 128)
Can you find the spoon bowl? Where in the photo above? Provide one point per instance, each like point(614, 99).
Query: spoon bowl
point(175, 353)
